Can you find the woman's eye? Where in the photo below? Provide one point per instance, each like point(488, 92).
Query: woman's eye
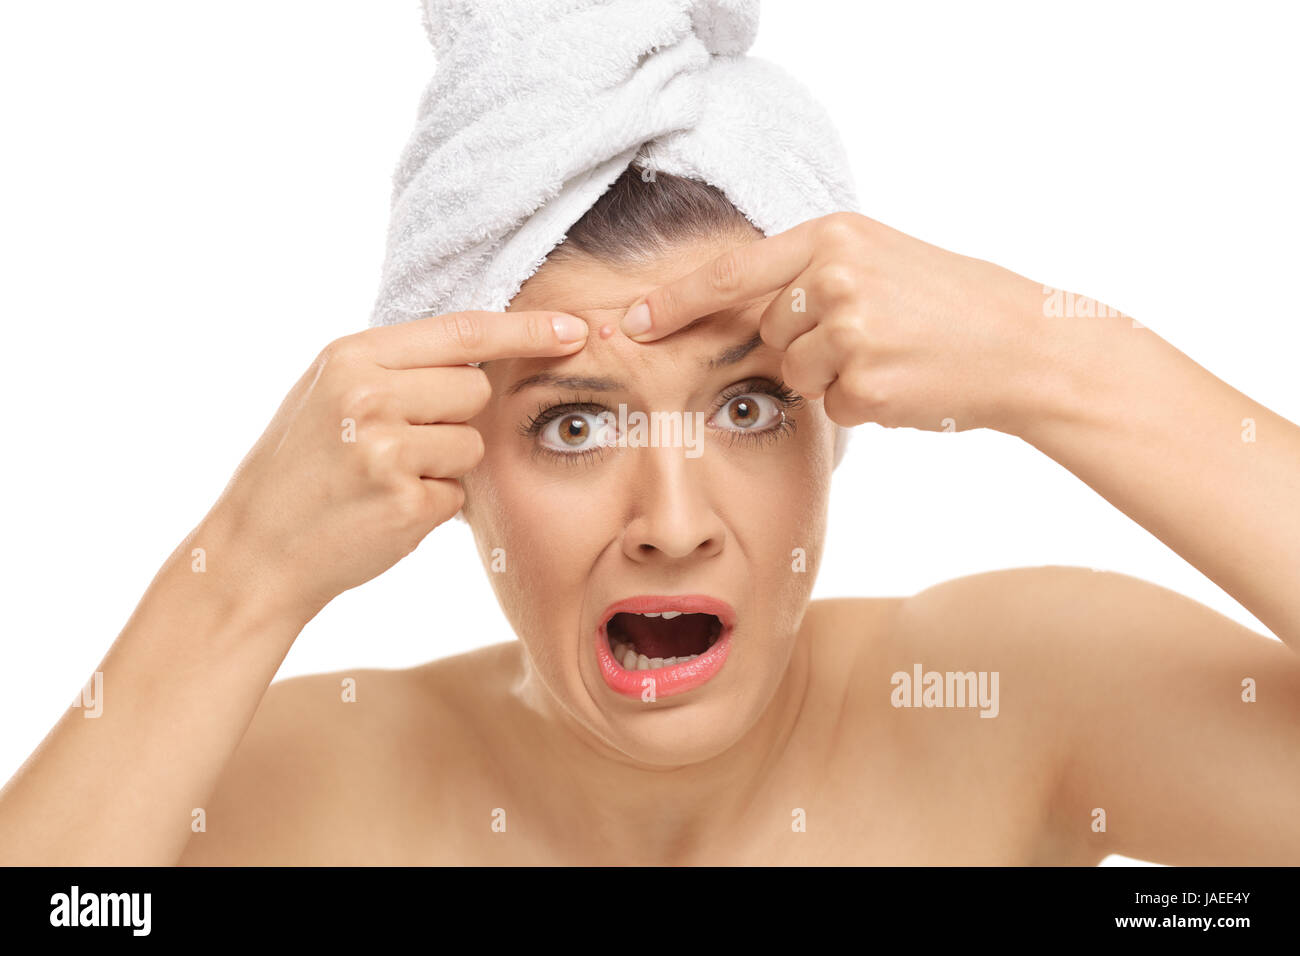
point(752, 411)
point(578, 431)
point(582, 429)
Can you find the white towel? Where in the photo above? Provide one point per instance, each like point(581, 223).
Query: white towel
point(537, 106)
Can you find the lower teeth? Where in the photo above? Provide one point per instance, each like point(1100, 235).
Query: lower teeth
point(632, 661)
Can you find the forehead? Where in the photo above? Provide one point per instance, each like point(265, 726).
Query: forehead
point(601, 292)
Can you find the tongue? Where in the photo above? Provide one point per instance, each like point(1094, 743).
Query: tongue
point(655, 637)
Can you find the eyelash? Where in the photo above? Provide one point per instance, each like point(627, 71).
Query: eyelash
point(785, 397)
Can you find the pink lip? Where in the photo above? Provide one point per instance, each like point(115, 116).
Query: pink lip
point(678, 678)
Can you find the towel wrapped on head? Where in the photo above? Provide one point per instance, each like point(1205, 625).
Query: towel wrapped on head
point(535, 108)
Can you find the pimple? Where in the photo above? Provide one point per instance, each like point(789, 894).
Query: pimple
point(606, 331)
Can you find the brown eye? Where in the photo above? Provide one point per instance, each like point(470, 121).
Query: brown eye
point(752, 412)
point(743, 412)
point(573, 430)
point(576, 432)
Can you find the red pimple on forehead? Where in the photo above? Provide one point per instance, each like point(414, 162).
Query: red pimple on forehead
point(606, 331)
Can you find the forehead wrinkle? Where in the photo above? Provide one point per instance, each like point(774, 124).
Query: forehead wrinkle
point(581, 380)
point(592, 383)
point(730, 355)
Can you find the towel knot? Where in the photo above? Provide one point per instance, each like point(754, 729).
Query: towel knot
point(725, 27)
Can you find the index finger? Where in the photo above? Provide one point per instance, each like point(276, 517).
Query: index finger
point(461, 338)
point(737, 276)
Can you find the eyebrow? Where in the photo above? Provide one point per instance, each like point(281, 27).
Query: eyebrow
point(729, 356)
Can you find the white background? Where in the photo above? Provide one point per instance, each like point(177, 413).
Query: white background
point(194, 199)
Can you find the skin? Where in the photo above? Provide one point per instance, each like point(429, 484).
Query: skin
point(1117, 694)
point(653, 521)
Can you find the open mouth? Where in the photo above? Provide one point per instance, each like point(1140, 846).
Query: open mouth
point(653, 646)
point(653, 639)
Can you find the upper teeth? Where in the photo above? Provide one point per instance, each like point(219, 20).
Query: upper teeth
point(665, 614)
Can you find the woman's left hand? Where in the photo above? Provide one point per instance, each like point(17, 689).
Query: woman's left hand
point(886, 328)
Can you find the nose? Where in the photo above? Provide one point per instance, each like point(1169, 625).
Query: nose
point(675, 520)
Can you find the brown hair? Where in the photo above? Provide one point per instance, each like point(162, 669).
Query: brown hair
point(642, 216)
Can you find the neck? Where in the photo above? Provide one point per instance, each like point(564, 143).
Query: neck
point(612, 809)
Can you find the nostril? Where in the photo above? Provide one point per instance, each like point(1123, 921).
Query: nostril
point(677, 540)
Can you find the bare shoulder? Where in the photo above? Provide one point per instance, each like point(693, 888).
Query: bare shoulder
point(1088, 665)
point(958, 690)
point(1057, 621)
point(335, 767)
point(1023, 614)
point(990, 623)
point(1166, 752)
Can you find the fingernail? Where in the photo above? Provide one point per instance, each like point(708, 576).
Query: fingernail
point(637, 320)
point(569, 328)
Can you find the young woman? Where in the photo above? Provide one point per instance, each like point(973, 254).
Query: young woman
point(674, 696)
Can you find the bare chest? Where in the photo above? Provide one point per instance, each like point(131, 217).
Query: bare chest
point(889, 800)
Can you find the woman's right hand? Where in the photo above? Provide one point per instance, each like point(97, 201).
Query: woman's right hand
point(363, 458)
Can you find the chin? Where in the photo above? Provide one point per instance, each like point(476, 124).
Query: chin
point(683, 728)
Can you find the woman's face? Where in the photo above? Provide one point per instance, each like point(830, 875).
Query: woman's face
point(734, 511)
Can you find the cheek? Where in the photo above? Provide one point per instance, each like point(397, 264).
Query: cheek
point(780, 516)
point(537, 543)
point(800, 521)
point(787, 486)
